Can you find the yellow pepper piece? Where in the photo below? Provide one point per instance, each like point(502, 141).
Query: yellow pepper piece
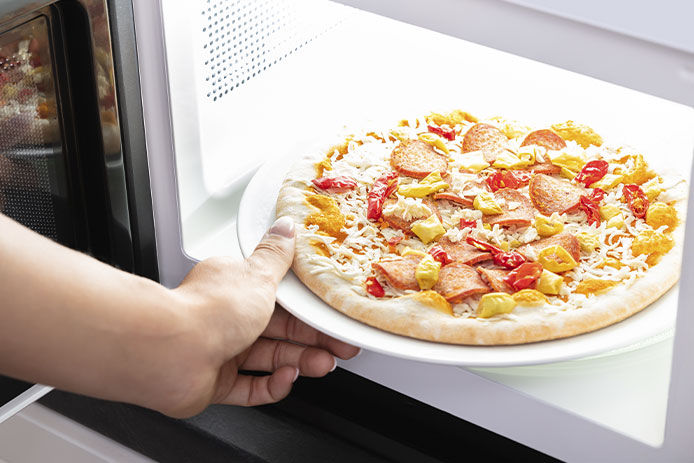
point(581, 134)
point(473, 161)
point(547, 227)
point(504, 246)
point(639, 172)
point(660, 214)
point(508, 160)
point(511, 128)
point(616, 222)
point(427, 273)
point(594, 286)
point(400, 134)
point(588, 241)
point(426, 186)
point(608, 211)
point(428, 230)
point(652, 188)
point(408, 251)
point(486, 226)
point(328, 217)
point(549, 283)
point(556, 259)
point(572, 162)
point(529, 153)
point(610, 262)
point(566, 173)
point(652, 243)
point(494, 304)
point(607, 182)
point(434, 140)
point(486, 203)
point(322, 166)
point(529, 297)
point(433, 300)
point(453, 118)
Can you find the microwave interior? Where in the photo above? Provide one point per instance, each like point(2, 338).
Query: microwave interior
point(272, 80)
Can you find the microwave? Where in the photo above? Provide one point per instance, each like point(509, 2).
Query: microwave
point(142, 125)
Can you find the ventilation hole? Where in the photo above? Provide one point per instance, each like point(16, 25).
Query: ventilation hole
point(258, 34)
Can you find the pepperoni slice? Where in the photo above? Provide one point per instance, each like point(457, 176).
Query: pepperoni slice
point(454, 198)
point(544, 168)
point(398, 222)
point(550, 194)
point(417, 159)
point(399, 272)
point(545, 138)
point(463, 252)
point(495, 278)
point(565, 240)
point(517, 209)
point(458, 281)
point(485, 138)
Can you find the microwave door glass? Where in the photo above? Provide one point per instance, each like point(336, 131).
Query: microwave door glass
point(33, 188)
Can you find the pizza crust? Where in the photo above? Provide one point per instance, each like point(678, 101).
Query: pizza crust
point(409, 317)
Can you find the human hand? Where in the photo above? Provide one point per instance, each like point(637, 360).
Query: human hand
point(231, 304)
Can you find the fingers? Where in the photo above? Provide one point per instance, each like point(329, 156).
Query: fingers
point(283, 325)
point(272, 354)
point(273, 256)
point(249, 391)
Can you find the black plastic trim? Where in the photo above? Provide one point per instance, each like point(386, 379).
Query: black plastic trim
point(133, 137)
point(342, 417)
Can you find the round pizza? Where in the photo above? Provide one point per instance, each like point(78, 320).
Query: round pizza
point(459, 230)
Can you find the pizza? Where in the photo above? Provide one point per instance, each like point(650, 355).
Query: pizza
point(451, 228)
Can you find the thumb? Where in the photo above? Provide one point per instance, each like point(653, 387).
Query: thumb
point(273, 255)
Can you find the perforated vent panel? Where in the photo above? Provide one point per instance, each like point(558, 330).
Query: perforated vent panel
point(243, 38)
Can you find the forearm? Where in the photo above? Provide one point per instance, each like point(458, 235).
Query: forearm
point(73, 322)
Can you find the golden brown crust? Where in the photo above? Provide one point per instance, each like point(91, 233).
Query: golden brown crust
point(410, 317)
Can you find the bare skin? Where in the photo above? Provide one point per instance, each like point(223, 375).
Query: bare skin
point(75, 323)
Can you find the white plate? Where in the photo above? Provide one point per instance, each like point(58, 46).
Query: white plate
point(257, 213)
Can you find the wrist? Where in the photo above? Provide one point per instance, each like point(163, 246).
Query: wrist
point(178, 363)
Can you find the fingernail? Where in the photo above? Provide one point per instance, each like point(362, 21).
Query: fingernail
point(296, 375)
point(284, 226)
point(334, 365)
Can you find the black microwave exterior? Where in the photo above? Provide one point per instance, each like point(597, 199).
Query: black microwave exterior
point(105, 207)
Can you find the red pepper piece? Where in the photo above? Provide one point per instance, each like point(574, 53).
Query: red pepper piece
point(339, 184)
point(374, 288)
point(590, 204)
point(508, 260)
point(597, 195)
point(383, 187)
point(440, 255)
point(524, 276)
point(592, 172)
point(447, 134)
point(482, 246)
point(507, 179)
point(637, 200)
point(467, 224)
